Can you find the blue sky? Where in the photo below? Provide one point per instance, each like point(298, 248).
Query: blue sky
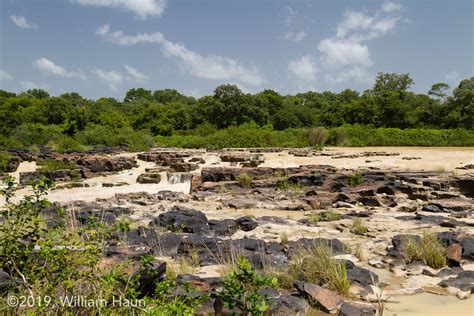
point(105, 47)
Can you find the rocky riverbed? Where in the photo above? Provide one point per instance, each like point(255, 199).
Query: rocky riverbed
point(265, 203)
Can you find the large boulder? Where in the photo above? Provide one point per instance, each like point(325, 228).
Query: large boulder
point(183, 219)
point(225, 227)
point(183, 167)
point(246, 223)
point(97, 163)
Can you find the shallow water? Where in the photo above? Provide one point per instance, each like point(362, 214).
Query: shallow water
point(426, 304)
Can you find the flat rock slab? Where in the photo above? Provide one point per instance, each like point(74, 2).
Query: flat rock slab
point(326, 299)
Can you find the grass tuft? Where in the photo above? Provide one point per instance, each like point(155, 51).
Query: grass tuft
point(358, 227)
point(429, 249)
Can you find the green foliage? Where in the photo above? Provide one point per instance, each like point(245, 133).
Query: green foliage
point(430, 250)
point(46, 165)
point(325, 216)
point(245, 180)
point(358, 227)
point(355, 179)
point(4, 160)
point(316, 264)
point(386, 115)
point(240, 289)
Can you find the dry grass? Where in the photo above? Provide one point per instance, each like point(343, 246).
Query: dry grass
point(245, 180)
point(429, 249)
point(358, 227)
point(326, 216)
point(284, 238)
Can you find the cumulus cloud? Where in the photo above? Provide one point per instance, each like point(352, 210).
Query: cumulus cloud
point(111, 77)
point(135, 74)
point(5, 76)
point(346, 55)
point(295, 36)
point(49, 67)
point(142, 8)
point(21, 22)
point(211, 67)
point(303, 68)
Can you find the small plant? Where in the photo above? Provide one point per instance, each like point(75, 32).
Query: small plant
point(355, 179)
point(245, 180)
point(4, 160)
point(325, 216)
point(240, 289)
point(284, 238)
point(316, 264)
point(47, 165)
point(358, 251)
point(285, 185)
point(358, 227)
point(429, 249)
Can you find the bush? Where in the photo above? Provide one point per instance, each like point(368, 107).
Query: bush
point(47, 165)
point(316, 264)
point(325, 216)
point(317, 137)
point(66, 143)
point(358, 227)
point(4, 160)
point(430, 250)
point(245, 180)
point(355, 179)
point(241, 289)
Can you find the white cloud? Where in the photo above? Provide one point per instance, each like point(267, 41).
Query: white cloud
point(346, 55)
point(119, 38)
point(135, 74)
point(21, 22)
point(142, 8)
point(290, 16)
point(338, 53)
point(5, 76)
point(391, 7)
point(295, 36)
point(47, 66)
point(211, 67)
point(112, 78)
point(303, 68)
point(27, 85)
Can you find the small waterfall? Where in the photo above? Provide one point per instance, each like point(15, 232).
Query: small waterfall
point(178, 177)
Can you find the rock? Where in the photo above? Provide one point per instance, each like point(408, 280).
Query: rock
point(235, 157)
point(241, 203)
point(368, 201)
point(149, 178)
point(329, 301)
point(387, 190)
point(466, 186)
point(431, 208)
point(167, 244)
point(356, 309)
point(5, 279)
point(467, 244)
point(183, 219)
point(246, 223)
point(183, 167)
point(197, 160)
point(96, 163)
point(454, 252)
point(148, 277)
point(360, 275)
point(288, 305)
point(399, 243)
point(13, 164)
point(463, 281)
point(56, 175)
point(376, 263)
point(225, 227)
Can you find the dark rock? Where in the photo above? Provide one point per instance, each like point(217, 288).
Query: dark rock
point(148, 278)
point(225, 227)
point(356, 309)
point(246, 223)
point(286, 305)
point(431, 208)
point(360, 275)
point(183, 167)
point(167, 244)
point(13, 164)
point(399, 243)
point(369, 201)
point(387, 190)
point(463, 281)
point(467, 244)
point(241, 203)
point(466, 187)
point(183, 219)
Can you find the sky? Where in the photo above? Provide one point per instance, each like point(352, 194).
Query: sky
point(105, 47)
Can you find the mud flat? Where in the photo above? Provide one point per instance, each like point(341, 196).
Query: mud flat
point(265, 203)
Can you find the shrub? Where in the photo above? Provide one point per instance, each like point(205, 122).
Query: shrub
point(245, 180)
point(325, 216)
point(67, 144)
point(355, 179)
point(241, 289)
point(316, 264)
point(358, 227)
point(317, 137)
point(48, 165)
point(4, 160)
point(429, 249)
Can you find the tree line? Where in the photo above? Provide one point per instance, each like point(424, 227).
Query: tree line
point(69, 121)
